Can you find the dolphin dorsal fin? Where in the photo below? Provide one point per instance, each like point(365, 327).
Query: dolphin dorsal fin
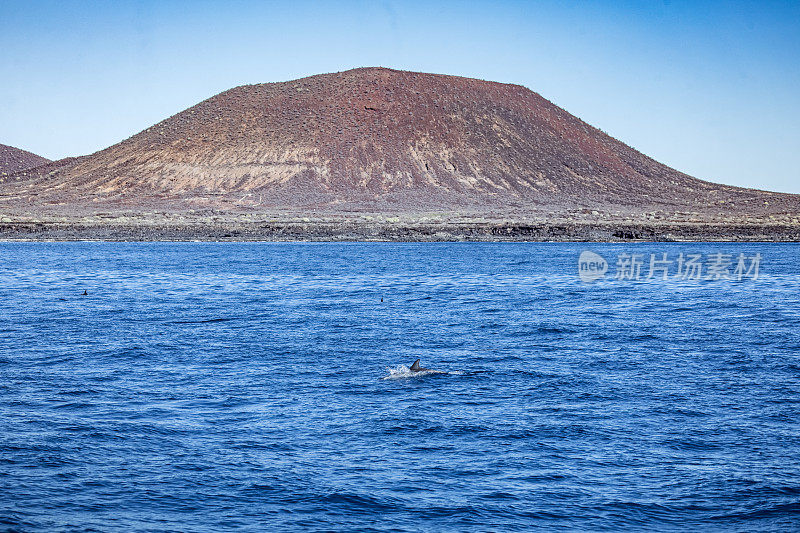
point(415, 366)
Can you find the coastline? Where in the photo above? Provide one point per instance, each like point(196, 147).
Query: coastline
point(351, 231)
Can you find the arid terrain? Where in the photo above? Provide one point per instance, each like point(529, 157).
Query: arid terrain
point(378, 154)
point(14, 160)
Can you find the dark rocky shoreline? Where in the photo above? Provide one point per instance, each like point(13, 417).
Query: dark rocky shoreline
point(397, 232)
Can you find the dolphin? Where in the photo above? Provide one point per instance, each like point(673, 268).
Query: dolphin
point(416, 368)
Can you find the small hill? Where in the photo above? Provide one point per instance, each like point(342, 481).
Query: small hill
point(14, 160)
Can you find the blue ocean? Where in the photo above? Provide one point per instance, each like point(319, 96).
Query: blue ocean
point(267, 387)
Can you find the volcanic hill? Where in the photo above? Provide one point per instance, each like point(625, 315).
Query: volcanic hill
point(382, 141)
point(13, 160)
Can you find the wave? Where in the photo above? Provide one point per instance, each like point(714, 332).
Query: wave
point(201, 321)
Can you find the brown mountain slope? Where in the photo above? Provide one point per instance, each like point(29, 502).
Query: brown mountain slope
point(13, 160)
point(376, 139)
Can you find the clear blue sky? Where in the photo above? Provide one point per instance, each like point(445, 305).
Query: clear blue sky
point(710, 88)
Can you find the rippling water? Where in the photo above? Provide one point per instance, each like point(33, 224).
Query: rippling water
point(227, 386)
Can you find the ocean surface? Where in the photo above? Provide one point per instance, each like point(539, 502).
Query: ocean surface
point(263, 386)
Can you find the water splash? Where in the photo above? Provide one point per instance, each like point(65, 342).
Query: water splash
point(404, 372)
